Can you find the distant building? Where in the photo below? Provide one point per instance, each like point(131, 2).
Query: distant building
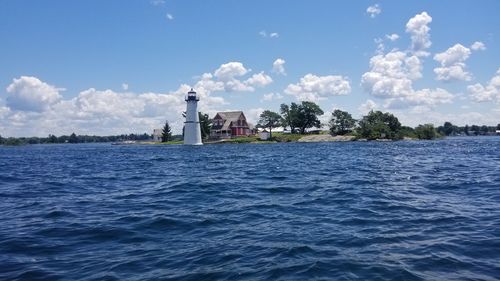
point(264, 135)
point(230, 124)
point(157, 135)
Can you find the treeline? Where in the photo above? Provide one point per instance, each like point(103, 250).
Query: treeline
point(449, 129)
point(375, 125)
point(73, 138)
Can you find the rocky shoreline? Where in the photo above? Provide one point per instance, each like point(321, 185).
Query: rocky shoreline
point(325, 138)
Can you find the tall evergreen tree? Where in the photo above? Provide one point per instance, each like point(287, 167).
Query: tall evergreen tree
point(166, 134)
point(73, 138)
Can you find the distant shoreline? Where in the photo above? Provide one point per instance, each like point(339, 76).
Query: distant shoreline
point(254, 140)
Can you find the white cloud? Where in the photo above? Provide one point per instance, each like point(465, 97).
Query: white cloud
point(169, 16)
point(271, 97)
point(453, 64)
point(367, 106)
point(31, 94)
point(393, 37)
point(425, 98)
point(380, 45)
point(278, 66)
point(125, 86)
point(453, 55)
point(314, 88)
point(389, 75)
point(253, 114)
point(103, 112)
point(374, 10)
point(228, 71)
point(478, 46)
point(227, 77)
point(454, 72)
point(264, 34)
point(419, 30)
point(391, 78)
point(489, 92)
point(259, 80)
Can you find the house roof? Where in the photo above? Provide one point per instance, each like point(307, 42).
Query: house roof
point(230, 115)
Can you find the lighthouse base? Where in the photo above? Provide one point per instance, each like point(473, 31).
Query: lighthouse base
point(192, 133)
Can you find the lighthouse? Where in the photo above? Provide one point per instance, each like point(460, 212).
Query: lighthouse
point(192, 132)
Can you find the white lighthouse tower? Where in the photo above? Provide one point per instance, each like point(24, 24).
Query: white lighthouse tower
point(192, 132)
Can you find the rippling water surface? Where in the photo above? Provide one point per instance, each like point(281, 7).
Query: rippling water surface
point(346, 211)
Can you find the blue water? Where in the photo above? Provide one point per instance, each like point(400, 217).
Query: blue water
point(426, 210)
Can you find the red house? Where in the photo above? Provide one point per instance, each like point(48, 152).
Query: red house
point(230, 124)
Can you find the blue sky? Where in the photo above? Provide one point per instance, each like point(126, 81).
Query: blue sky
point(108, 67)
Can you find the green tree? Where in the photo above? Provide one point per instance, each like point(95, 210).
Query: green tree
point(377, 125)
point(269, 119)
point(426, 132)
point(406, 131)
point(289, 114)
point(341, 122)
point(73, 138)
point(484, 130)
point(475, 129)
point(307, 116)
point(447, 129)
point(166, 133)
point(205, 125)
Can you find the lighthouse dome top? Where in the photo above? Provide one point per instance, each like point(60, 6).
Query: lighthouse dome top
point(191, 96)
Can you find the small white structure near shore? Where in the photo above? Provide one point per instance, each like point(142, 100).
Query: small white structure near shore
point(192, 130)
point(264, 135)
point(157, 133)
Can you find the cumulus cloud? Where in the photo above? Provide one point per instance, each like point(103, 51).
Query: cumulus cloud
point(488, 92)
point(106, 112)
point(228, 76)
point(374, 10)
point(453, 64)
point(230, 70)
point(393, 37)
point(34, 107)
point(418, 27)
point(478, 46)
point(260, 80)
point(389, 75)
point(391, 78)
point(425, 98)
point(314, 88)
point(367, 106)
point(279, 66)
point(30, 94)
point(271, 97)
